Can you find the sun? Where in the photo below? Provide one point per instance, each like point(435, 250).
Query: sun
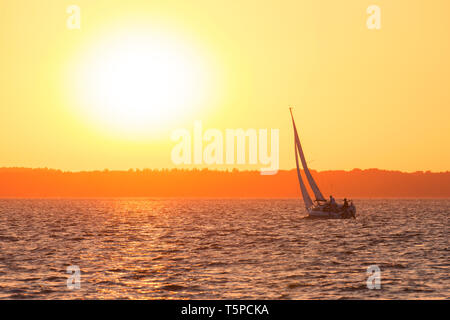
point(134, 83)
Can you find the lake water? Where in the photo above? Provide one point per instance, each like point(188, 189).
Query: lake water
point(221, 249)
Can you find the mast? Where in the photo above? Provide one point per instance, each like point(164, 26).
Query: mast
point(309, 177)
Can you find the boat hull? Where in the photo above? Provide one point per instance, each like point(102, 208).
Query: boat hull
point(350, 213)
point(324, 215)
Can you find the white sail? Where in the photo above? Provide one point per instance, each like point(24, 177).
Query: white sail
point(311, 181)
point(305, 194)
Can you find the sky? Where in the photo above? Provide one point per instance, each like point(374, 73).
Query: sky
point(110, 94)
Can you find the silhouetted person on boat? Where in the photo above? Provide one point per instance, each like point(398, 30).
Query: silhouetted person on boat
point(345, 206)
point(333, 204)
point(345, 213)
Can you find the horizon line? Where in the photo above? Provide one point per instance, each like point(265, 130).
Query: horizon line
point(229, 170)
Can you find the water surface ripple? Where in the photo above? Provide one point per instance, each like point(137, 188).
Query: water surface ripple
point(221, 249)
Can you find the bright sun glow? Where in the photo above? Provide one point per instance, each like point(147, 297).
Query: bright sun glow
point(134, 84)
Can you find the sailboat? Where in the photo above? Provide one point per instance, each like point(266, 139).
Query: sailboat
point(320, 208)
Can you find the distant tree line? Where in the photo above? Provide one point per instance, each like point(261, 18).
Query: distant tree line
point(370, 183)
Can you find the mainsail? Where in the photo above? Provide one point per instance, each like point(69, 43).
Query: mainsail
point(305, 194)
point(312, 183)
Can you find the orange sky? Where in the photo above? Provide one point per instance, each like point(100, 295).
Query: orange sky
point(363, 98)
